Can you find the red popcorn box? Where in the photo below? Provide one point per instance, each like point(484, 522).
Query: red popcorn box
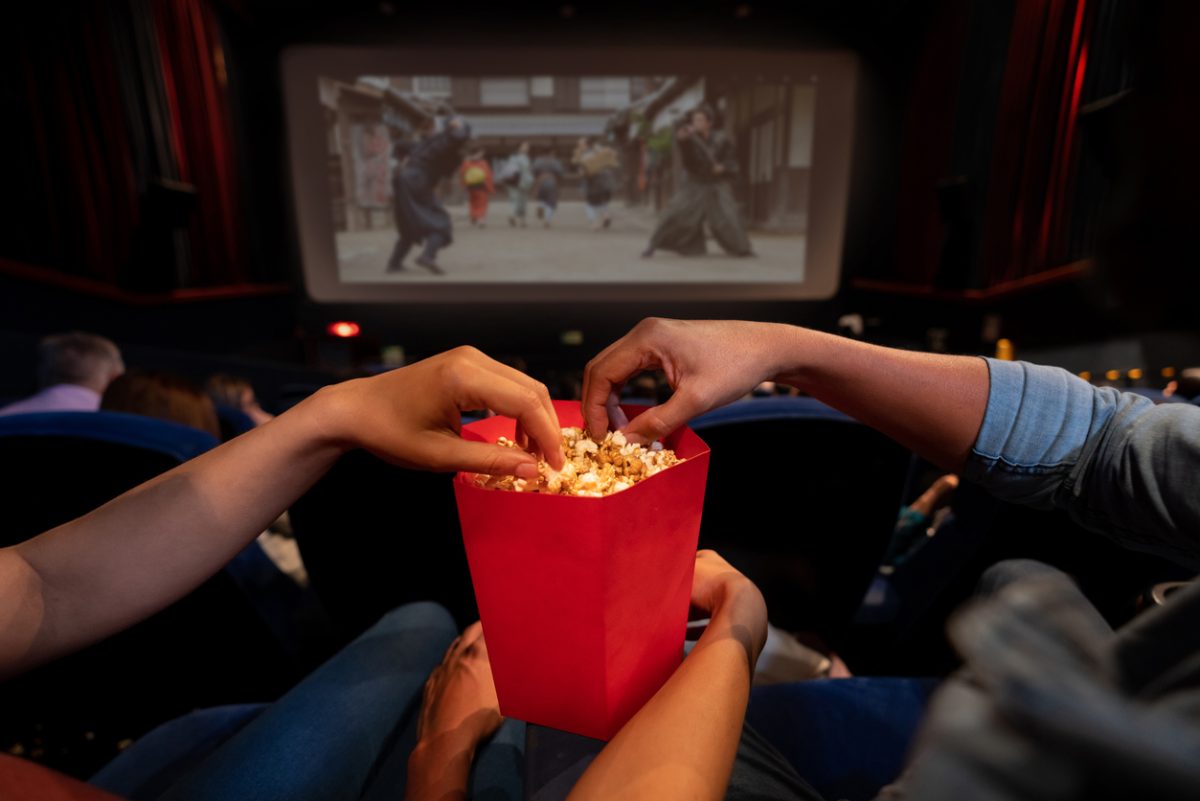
point(584, 601)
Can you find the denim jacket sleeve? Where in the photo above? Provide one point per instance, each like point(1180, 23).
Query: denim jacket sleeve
point(1117, 463)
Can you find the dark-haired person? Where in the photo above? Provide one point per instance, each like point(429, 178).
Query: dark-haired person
point(420, 216)
point(706, 196)
point(73, 371)
point(1057, 692)
point(547, 172)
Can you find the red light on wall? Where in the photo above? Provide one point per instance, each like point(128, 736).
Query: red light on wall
point(343, 329)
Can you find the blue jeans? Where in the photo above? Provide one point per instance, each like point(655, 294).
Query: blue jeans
point(344, 732)
point(845, 737)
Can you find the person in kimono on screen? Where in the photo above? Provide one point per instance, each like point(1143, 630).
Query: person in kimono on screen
point(420, 216)
point(477, 178)
point(706, 196)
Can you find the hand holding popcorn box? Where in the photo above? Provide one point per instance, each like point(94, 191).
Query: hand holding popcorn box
point(583, 576)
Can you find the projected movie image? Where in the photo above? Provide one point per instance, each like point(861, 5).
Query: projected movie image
point(553, 179)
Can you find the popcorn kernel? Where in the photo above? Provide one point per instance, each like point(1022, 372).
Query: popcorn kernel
point(593, 469)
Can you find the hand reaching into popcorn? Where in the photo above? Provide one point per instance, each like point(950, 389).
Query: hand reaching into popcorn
point(192, 520)
point(707, 363)
point(930, 403)
point(411, 416)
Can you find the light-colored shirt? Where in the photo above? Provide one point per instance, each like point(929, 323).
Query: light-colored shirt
point(1117, 463)
point(58, 398)
point(1052, 703)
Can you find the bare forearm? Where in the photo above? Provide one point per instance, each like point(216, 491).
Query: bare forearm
point(107, 570)
point(931, 403)
point(682, 743)
point(439, 771)
point(138, 553)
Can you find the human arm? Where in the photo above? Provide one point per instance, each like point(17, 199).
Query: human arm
point(1029, 434)
point(931, 403)
point(682, 743)
point(459, 710)
point(1113, 460)
point(100, 573)
point(674, 747)
point(936, 496)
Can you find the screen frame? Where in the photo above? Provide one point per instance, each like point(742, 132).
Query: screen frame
point(834, 71)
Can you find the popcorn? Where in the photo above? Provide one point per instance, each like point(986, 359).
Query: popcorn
point(593, 469)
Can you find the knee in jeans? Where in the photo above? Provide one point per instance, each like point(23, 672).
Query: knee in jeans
point(426, 614)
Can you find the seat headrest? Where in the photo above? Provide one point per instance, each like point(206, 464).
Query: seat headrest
point(755, 410)
point(173, 439)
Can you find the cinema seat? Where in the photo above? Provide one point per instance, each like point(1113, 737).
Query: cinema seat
point(374, 536)
point(208, 648)
point(1155, 395)
point(233, 422)
point(984, 531)
point(803, 500)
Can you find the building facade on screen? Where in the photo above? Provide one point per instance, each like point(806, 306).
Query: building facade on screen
point(770, 120)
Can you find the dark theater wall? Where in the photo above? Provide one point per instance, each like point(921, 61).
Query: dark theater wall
point(982, 180)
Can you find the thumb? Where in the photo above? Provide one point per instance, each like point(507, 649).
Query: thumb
point(658, 421)
point(494, 460)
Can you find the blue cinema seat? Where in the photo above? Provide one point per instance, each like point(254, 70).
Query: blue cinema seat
point(210, 647)
point(802, 499)
point(233, 422)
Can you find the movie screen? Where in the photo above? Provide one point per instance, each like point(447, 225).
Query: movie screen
point(562, 179)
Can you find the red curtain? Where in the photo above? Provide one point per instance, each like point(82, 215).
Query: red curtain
point(81, 208)
point(193, 74)
point(110, 98)
point(1036, 145)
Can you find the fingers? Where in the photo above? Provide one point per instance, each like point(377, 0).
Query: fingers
point(546, 433)
point(472, 633)
point(471, 638)
point(659, 421)
point(449, 453)
point(539, 428)
point(524, 380)
point(481, 387)
point(606, 374)
point(474, 642)
point(616, 415)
